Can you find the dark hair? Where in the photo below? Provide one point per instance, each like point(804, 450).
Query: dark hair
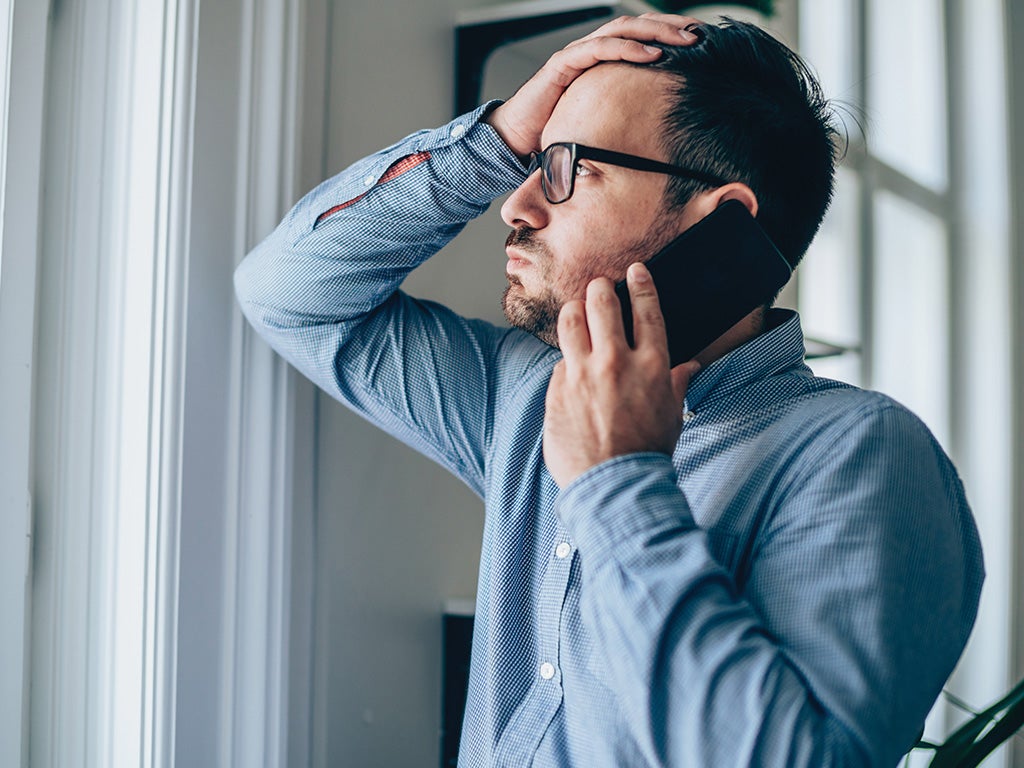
point(747, 108)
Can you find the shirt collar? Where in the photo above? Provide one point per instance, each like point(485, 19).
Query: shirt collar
point(777, 349)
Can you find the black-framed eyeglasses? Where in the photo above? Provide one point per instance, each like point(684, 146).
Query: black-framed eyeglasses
point(558, 167)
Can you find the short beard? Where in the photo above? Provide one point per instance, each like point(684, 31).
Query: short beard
point(538, 315)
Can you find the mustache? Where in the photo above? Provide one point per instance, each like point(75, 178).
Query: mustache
point(525, 239)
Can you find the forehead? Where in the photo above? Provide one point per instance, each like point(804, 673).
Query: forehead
point(612, 106)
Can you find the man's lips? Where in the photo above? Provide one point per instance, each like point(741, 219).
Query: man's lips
point(516, 259)
point(522, 248)
point(521, 243)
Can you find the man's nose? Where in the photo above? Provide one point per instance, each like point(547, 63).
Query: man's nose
point(527, 206)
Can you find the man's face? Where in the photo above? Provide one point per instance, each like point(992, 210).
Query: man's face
point(615, 217)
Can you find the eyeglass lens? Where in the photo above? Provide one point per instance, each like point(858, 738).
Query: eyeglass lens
point(555, 165)
point(558, 172)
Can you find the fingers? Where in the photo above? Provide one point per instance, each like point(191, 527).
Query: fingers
point(570, 62)
point(648, 322)
point(594, 325)
point(623, 39)
point(573, 335)
point(660, 27)
point(604, 315)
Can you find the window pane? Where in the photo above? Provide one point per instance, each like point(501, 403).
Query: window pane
point(829, 280)
point(829, 275)
point(840, 368)
point(906, 88)
point(910, 336)
point(826, 43)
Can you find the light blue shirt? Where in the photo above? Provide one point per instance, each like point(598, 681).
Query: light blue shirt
point(791, 587)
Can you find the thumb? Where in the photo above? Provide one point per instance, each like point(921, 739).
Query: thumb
point(681, 376)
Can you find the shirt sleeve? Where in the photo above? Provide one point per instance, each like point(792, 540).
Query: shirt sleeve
point(863, 588)
point(323, 290)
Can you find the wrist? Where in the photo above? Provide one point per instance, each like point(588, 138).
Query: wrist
point(615, 508)
point(513, 139)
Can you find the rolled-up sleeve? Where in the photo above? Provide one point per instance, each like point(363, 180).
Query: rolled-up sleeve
point(323, 290)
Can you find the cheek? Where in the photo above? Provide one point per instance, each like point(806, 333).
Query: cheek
point(601, 246)
point(608, 255)
point(569, 277)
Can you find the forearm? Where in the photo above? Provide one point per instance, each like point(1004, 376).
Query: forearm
point(322, 290)
point(345, 248)
point(702, 679)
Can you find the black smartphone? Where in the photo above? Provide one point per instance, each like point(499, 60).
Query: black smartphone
point(710, 277)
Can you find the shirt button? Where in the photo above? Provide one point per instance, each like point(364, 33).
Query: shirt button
point(458, 130)
point(689, 416)
point(547, 671)
point(368, 181)
point(563, 550)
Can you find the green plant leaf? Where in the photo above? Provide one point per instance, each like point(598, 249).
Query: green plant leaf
point(964, 748)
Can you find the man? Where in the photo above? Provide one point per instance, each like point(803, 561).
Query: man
point(727, 563)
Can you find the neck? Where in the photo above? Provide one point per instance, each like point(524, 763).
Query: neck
point(751, 326)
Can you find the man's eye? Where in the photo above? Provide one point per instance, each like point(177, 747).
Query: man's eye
point(582, 170)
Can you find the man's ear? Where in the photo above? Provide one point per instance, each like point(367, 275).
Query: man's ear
point(705, 202)
point(736, 190)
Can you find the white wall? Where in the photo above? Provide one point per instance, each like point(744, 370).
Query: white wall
point(396, 535)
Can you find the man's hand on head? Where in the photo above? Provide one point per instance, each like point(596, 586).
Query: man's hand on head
point(605, 398)
point(520, 120)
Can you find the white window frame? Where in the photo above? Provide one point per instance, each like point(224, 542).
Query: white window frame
point(1014, 34)
point(155, 454)
point(985, 356)
point(22, 67)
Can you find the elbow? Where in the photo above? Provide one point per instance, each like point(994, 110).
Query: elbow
point(245, 293)
point(243, 283)
point(252, 280)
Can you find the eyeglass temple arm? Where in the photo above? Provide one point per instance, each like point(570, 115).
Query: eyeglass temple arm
point(643, 164)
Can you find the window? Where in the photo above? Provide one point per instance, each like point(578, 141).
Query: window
point(149, 435)
point(912, 264)
point(21, 116)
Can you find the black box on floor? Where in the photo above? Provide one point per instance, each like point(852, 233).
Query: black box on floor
point(456, 645)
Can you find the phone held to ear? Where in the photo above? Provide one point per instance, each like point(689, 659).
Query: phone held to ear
point(710, 277)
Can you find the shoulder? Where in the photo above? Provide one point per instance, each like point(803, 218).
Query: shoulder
point(816, 430)
point(867, 415)
point(868, 444)
point(819, 401)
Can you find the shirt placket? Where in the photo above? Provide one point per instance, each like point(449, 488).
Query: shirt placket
point(538, 709)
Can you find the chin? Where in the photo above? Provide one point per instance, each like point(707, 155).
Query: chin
point(538, 317)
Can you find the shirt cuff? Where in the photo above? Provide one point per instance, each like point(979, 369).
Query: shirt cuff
point(468, 144)
point(615, 510)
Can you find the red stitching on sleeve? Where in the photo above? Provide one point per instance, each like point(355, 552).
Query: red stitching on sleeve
point(397, 168)
point(335, 209)
point(407, 163)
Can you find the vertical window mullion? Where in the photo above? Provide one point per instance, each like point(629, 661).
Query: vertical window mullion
point(866, 253)
point(955, 238)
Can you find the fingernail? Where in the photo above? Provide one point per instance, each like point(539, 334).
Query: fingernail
point(652, 49)
point(640, 274)
point(696, 30)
